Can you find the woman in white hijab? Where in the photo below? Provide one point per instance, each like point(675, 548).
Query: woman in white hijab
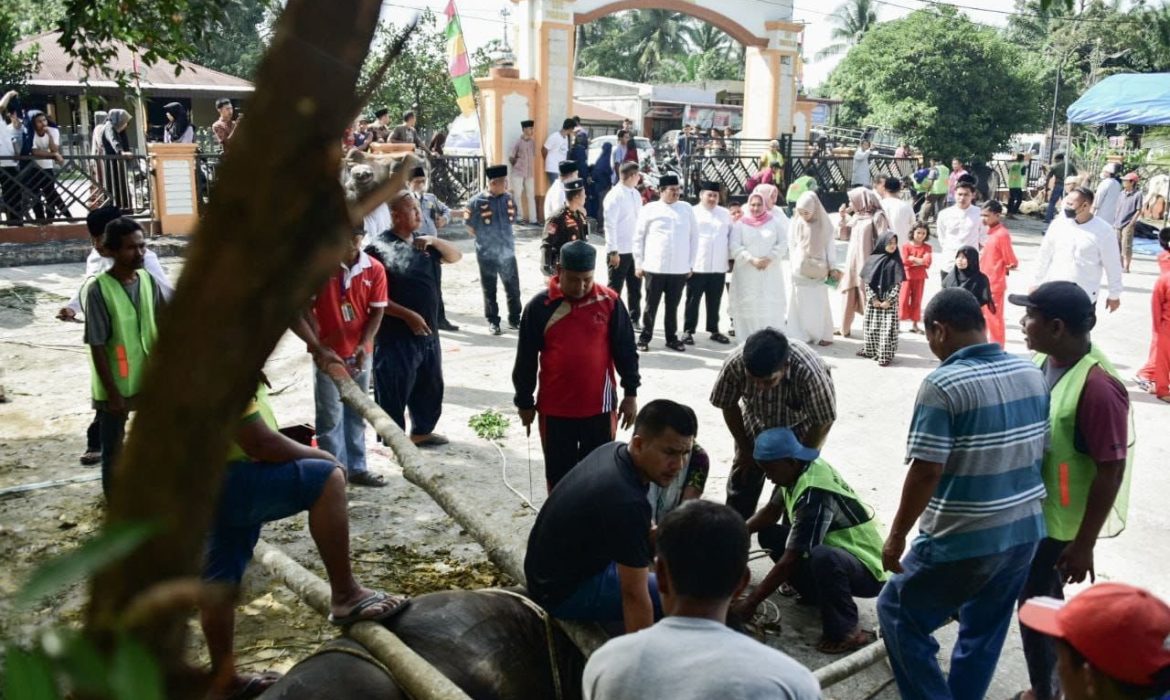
point(758, 244)
point(812, 255)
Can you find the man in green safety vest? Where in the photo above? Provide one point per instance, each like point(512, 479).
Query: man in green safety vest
point(938, 185)
point(120, 305)
point(828, 551)
point(1087, 462)
point(1017, 174)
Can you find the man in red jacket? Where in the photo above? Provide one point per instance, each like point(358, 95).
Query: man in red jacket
point(576, 333)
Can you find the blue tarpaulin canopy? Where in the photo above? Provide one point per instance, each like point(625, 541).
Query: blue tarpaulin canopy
point(1130, 98)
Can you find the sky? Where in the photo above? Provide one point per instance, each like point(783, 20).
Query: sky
point(483, 22)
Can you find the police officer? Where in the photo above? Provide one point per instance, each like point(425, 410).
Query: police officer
point(490, 215)
point(567, 224)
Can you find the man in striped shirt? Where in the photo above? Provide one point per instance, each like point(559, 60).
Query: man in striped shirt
point(976, 445)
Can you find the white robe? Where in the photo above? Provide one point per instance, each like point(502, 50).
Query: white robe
point(758, 297)
point(810, 317)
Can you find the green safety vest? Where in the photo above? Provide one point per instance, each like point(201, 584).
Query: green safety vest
point(1016, 176)
point(802, 184)
point(259, 405)
point(132, 333)
point(862, 541)
point(1068, 473)
point(940, 184)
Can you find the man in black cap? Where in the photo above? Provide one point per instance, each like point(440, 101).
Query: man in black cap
point(556, 149)
point(1088, 458)
point(434, 217)
point(710, 268)
point(566, 225)
point(666, 241)
point(575, 333)
point(380, 129)
point(522, 158)
point(554, 198)
point(489, 218)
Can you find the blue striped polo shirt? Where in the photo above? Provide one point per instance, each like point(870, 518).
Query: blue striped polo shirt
point(983, 415)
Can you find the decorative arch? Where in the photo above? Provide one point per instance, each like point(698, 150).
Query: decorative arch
point(732, 28)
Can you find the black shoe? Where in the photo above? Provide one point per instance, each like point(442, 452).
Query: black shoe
point(514, 325)
point(637, 326)
point(731, 332)
point(643, 346)
point(689, 338)
point(446, 325)
point(720, 338)
point(676, 345)
point(494, 328)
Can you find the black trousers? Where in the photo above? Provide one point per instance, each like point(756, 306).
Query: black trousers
point(567, 441)
point(623, 276)
point(111, 431)
point(93, 434)
point(47, 198)
point(505, 270)
point(657, 285)
point(442, 307)
point(744, 484)
point(408, 374)
point(1039, 651)
point(700, 284)
point(1015, 196)
point(11, 196)
point(830, 578)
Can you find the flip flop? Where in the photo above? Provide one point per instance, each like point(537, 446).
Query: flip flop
point(859, 640)
point(253, 686)
point(433, 440)
point(375, 598)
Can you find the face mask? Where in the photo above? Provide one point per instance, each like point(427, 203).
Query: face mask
point(1070, 212)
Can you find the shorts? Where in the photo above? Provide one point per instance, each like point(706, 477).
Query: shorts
point(254, 493)
point(1125, 239)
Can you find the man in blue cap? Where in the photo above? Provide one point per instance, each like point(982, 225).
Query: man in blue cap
point(828, 549)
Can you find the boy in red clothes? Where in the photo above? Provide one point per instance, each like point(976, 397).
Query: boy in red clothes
point(998, 259)
point(916, 257)
point(1155, 376)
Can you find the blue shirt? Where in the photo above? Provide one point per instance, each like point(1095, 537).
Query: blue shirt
point(431, 209)
point(491, 219)
point(983, 415)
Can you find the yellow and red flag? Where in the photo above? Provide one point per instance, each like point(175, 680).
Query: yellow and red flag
point(457, 63)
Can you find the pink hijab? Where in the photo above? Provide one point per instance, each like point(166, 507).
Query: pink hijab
point(771, 194)
point(757, 221)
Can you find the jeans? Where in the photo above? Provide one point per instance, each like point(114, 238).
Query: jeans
point(657, 285)
point(1053, 201)
point(505, 270)
point(916, 602)
point(599, 599)
point(703, 284)
point(408, 374)
point(341, 431)
point(623, 276)
point(111, 431)
point(1039, 651)
point(567, 441)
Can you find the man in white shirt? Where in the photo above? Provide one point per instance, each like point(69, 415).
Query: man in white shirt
point(710, 268)
point(1078, 247)
point(554, 198)
point(556, 149)
point(861, 176)
point(11, 193)
point(620, 209)
point(898, 211)
point(959, 226)
point(523, 173)
point(666, 240)
point(701, 565)
point(1105, 199)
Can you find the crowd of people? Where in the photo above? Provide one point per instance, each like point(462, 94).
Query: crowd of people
point(1016, 466)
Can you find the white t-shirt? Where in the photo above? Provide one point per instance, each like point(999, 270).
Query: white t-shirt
point(901, 216)
point(376, 222)
point(1105, 200)
point(8, 146)
point(554, 198)
point(689, 658)
point(861, 168)
point(558, 150)
point(958, 228)
point(1081, 253)
point(42, 143)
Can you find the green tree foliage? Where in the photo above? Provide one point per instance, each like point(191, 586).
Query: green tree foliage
point(15, 66)
point(851, 20)
point(957, 87)
point(657, 46)
point(236, 45)
point(418, 80)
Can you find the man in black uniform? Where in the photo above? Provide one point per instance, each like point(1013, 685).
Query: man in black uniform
point(568, 224)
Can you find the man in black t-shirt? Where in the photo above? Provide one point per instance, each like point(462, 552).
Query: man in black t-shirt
point(589, 552)
point(408, 370)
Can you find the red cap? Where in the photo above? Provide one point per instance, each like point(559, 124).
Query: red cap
point(1130, 176)
point(1121, 630)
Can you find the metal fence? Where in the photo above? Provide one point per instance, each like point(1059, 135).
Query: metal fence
point(456, 179)
point(70, 189)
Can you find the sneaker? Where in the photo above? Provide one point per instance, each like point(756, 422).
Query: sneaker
point(720, 338)
point(676, 345)
point(643, 346)
point(494, 328)
point(731, 332)
point(689, 338)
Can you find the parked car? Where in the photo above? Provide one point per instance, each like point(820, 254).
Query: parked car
point(645, 150)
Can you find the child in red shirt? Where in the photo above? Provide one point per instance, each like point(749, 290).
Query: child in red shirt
point(1155, 376)
point(916, 257)
point(997, 260)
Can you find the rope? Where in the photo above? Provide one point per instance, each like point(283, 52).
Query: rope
point(504, 477)
point(548, 634)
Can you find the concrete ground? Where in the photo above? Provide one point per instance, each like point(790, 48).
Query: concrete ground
point(46, 378)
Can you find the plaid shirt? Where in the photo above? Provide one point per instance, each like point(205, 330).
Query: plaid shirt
point(804, 397)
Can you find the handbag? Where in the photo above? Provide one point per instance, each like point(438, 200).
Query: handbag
point(813, 267)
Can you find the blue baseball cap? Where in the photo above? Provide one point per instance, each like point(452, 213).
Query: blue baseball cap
point(781, 443)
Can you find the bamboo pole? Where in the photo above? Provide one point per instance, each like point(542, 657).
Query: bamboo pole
point(411, 672)
point(851, 665)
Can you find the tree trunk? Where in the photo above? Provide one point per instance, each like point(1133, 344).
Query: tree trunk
point(276, 226)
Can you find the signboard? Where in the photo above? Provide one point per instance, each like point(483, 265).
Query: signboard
point(714, 116)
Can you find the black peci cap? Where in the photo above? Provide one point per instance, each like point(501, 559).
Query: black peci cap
point(567, 166)
point(574, 186)
point(709, 186)
point(668, 181)
point(418, 172)
point(494, 172)
point(527, 123)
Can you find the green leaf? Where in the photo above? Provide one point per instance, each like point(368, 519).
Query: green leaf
point(86, 666)
point(28, 676)
point(114, 543)
point(135, 674)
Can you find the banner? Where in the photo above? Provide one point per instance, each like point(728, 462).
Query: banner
point(458, 64)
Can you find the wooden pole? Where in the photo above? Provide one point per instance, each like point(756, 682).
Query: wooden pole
point(411, 672)
point(851, 665)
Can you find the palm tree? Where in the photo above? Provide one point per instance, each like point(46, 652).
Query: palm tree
point(851, 20)
point(704, 38)
point(657, 35)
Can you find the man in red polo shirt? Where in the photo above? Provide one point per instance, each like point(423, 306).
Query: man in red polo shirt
point(576, 333)
point(340, 328)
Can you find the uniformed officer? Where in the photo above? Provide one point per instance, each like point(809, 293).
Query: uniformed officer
point(490, 215)
point(568, 224)
point(434, 217)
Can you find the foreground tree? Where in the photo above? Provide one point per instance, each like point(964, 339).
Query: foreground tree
point(957, 89)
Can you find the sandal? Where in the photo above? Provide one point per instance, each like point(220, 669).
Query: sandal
point(356, 614)
point(862, 353)
point(252, 686)
point(787, 590)
point(858, 640)
point(365, 478)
